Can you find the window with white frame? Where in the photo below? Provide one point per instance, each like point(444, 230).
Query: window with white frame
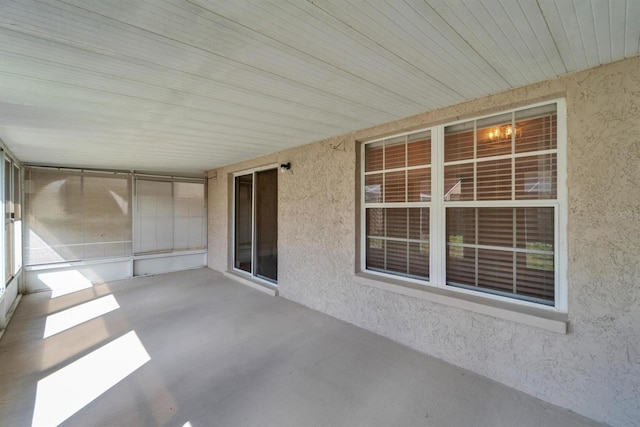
point(397, 196)
point(473, 206)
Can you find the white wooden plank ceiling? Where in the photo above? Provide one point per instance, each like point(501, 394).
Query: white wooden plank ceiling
point(186, 86)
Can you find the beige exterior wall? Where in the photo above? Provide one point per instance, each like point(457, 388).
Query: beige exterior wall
point(594, 369)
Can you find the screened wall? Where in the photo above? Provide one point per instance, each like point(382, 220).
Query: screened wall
point(169, 216)
point(78, 215)
point(74, 216)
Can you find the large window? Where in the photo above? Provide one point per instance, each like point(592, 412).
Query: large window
point(477, 201)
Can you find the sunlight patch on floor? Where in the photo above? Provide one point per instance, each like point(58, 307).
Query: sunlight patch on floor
point(64, 282)
point(64, 347)
point(58, 304)
point(68, 390)
point(79, 314)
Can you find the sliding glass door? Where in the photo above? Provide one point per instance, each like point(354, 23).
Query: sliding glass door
point(256, 224)
point(266, 218)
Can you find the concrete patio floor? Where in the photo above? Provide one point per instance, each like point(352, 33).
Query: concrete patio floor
point(197, 349)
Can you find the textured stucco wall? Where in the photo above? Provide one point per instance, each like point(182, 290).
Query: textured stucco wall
point(595, 368)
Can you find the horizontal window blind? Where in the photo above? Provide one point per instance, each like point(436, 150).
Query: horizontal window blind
point(397, 193)
point(508, 161)
point(507, 250)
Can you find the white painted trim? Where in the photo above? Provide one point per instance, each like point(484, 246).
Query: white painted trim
point(52, 266)
point(512, 310)
point(562, 218)
point(3, 234)
point(132, 211)
point(171, 178)
point(169, 254)
point(7, 151)
point(80, 170)
point(504, 112)
point(12, 309)
point(134, 174)
point(438, 244)
point(363, 213)
point(10, 314)
point(396, 135)
point(150, 266)
point(402, 169)
point(233, 223)
point(399, 205)
point(511, 155)
point(537, 203)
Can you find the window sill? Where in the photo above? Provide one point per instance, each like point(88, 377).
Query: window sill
point(532, 316)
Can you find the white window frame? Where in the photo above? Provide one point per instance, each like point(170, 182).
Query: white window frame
point(384, 205)
point(437, 208)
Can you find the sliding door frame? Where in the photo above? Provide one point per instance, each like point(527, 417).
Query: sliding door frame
point(253, 274)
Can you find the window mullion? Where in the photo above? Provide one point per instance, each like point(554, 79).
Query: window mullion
point(363, 212)
point(561, 214)
point(437, 223)
point(384, 232)
point(253, 224)
point(475, 160)
point(513, 197)
point(513, 159)
point(477, 224)
point(515, 252)
point(406, 173)
point(384, 178)
point(408, 237)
